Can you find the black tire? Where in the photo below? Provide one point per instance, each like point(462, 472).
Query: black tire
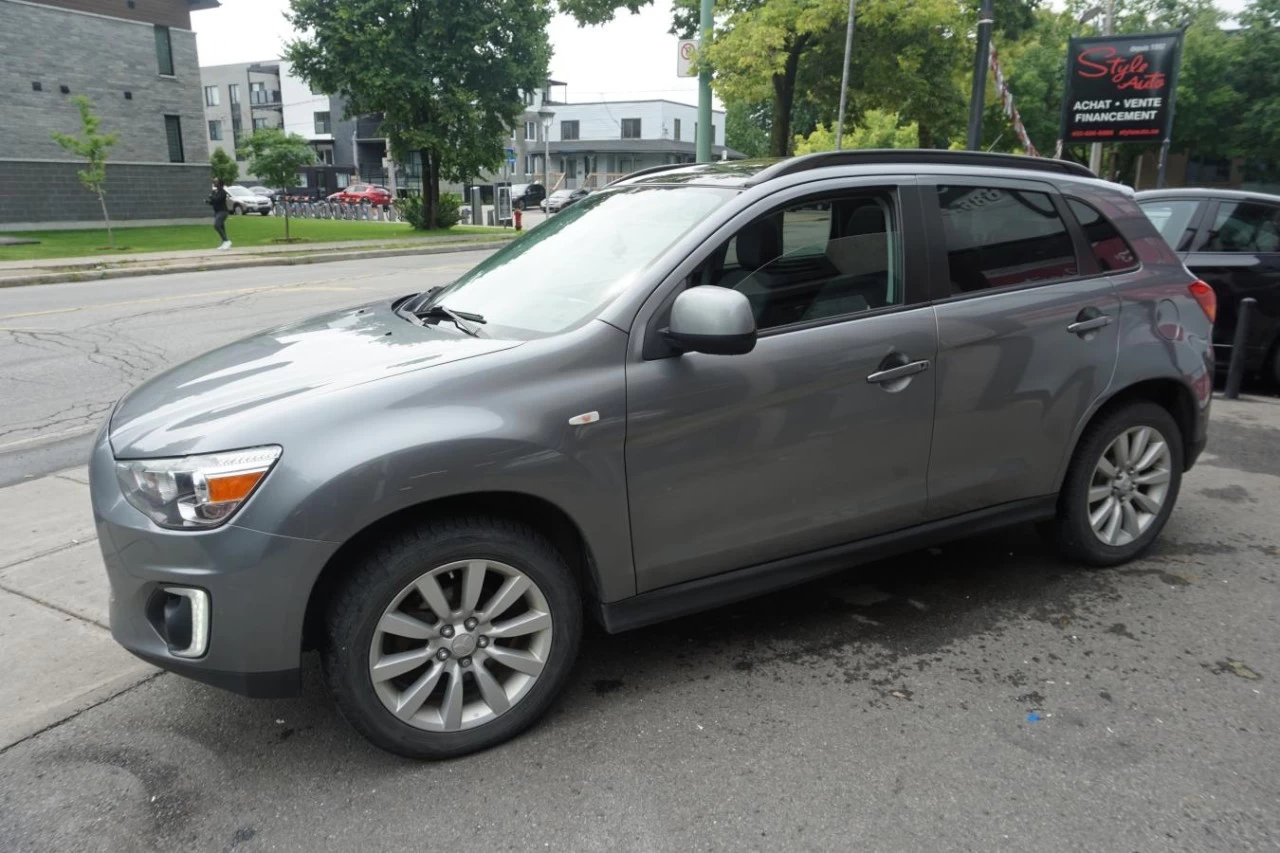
point(1071, 532)
point(358, 604)
point(265, 212)
point(235, 209)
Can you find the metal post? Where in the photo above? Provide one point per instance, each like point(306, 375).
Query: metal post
point(1239, 347)
point(980, 60)
point(844, 76)
point(704, 140)
point(1095, 150)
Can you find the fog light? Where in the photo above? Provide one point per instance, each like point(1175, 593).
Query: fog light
point(185, 621)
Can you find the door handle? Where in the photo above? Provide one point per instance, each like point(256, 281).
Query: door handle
point(899, 372)
point(1079, 327)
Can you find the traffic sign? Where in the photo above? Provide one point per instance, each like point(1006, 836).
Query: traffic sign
point(685, 53)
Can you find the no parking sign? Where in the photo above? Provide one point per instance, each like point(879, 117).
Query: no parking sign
point(687, 50)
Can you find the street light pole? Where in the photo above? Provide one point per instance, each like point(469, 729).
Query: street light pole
point(844, 75)
point(1095, 150)
point(704, 139)
point(980, 60)
point(546, 115)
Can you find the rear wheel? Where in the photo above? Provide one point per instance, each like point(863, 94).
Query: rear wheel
point(453, 637)
point(1121, 487)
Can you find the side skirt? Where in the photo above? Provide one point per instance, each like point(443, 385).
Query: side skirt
point(705, 593)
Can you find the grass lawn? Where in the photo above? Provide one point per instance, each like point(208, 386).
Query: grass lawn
point(243, 230)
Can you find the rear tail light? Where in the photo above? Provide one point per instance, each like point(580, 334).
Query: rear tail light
point(1207, 298)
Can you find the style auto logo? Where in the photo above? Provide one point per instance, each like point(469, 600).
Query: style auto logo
point(1126, 73)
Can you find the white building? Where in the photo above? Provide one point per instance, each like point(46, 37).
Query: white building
point(308, 114)
point(593, 143)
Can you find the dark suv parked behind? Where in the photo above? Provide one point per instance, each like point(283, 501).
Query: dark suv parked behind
point(702, 383)
point(1232, 241)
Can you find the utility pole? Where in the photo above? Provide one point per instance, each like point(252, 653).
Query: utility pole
point(844, 76)
point(704, 140)
point(1095, 150)
point(980, 60)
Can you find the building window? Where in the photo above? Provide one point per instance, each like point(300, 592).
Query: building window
point(164, 51)
point(676, 131)
point(173, 130)
point(325, 156)
point(530, 131)
point(237, 140)
point(529, 98)
point(568, 130)
point(215, 130)
point(322, 122)
point(233, 91)
point(529, 164)
point(631, 128)
point(260, 123)
point(211, 96)
point(713, 134)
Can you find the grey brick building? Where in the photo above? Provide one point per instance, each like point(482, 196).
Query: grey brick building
point(136, 60)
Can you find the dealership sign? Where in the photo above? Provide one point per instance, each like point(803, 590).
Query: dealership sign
point(1120, 88)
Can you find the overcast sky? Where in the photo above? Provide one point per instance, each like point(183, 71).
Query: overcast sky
point(633, 57)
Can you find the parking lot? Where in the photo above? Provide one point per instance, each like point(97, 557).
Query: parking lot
point(978, 696)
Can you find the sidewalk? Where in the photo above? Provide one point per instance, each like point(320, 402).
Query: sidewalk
point(55, 270)
point(56, 651)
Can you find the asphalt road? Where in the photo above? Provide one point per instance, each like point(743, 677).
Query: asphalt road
point(69, 351)
point(981, 696)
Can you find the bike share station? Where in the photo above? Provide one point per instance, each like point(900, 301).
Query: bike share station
point(490, 204)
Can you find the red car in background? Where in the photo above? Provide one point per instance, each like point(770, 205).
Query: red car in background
point(362, 194)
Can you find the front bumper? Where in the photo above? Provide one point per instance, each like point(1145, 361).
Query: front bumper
point(258, 586)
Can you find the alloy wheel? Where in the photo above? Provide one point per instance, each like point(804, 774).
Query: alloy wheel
point(1129, 485)
point(460, 645)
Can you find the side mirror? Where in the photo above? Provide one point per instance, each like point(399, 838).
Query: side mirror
point(713, 320)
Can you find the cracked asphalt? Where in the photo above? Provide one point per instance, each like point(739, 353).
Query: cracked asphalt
point(978, 696)
point(69, 351)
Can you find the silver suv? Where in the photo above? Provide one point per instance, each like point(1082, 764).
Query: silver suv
point(702, 383)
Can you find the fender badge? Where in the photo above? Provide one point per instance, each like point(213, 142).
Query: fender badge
point(585, 418)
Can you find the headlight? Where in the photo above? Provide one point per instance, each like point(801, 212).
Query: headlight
point(194, 491)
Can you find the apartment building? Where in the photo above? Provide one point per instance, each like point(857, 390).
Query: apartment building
point(136, 60)
point(239, 99)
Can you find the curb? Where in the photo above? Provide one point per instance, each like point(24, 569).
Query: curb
point(247, 261)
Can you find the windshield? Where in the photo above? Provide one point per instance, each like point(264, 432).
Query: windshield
point(238, 191)
point(561, 273)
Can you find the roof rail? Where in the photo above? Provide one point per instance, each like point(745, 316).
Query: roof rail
point(917, 156)
point(646, 171)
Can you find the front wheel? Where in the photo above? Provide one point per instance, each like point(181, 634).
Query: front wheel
point(1121, 486)
point(265, 212)
point(452, 637)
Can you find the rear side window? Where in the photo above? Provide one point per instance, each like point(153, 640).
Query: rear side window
point(1172, 218)
point(1244, 227)
point(1109, 248)
point(999, 237)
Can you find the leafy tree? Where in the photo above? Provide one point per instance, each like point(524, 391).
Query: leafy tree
point(276, 157)
point(446, 76)
point(94, 147)
point(746, 128)
point(1258, 58)
point(223, 166)
point(876, 129)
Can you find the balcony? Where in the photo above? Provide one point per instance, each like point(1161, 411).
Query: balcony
point(264, 97)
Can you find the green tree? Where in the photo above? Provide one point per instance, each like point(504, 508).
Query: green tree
point(876, 129)
point(1257, 61)
point(276, 157)
point(223, 166)
point(94, 146)
point(746, 128)
point(446, 77)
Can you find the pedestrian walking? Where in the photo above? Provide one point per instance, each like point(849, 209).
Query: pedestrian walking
point(218, 200)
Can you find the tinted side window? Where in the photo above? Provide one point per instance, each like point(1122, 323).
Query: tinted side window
point(1110, 249)
point(1244, 227)
point(1171, 218)
point(997, 237)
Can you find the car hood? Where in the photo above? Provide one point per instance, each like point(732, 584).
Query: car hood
point(273, 372)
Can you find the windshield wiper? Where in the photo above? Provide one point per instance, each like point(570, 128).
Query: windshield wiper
point(461, 319)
